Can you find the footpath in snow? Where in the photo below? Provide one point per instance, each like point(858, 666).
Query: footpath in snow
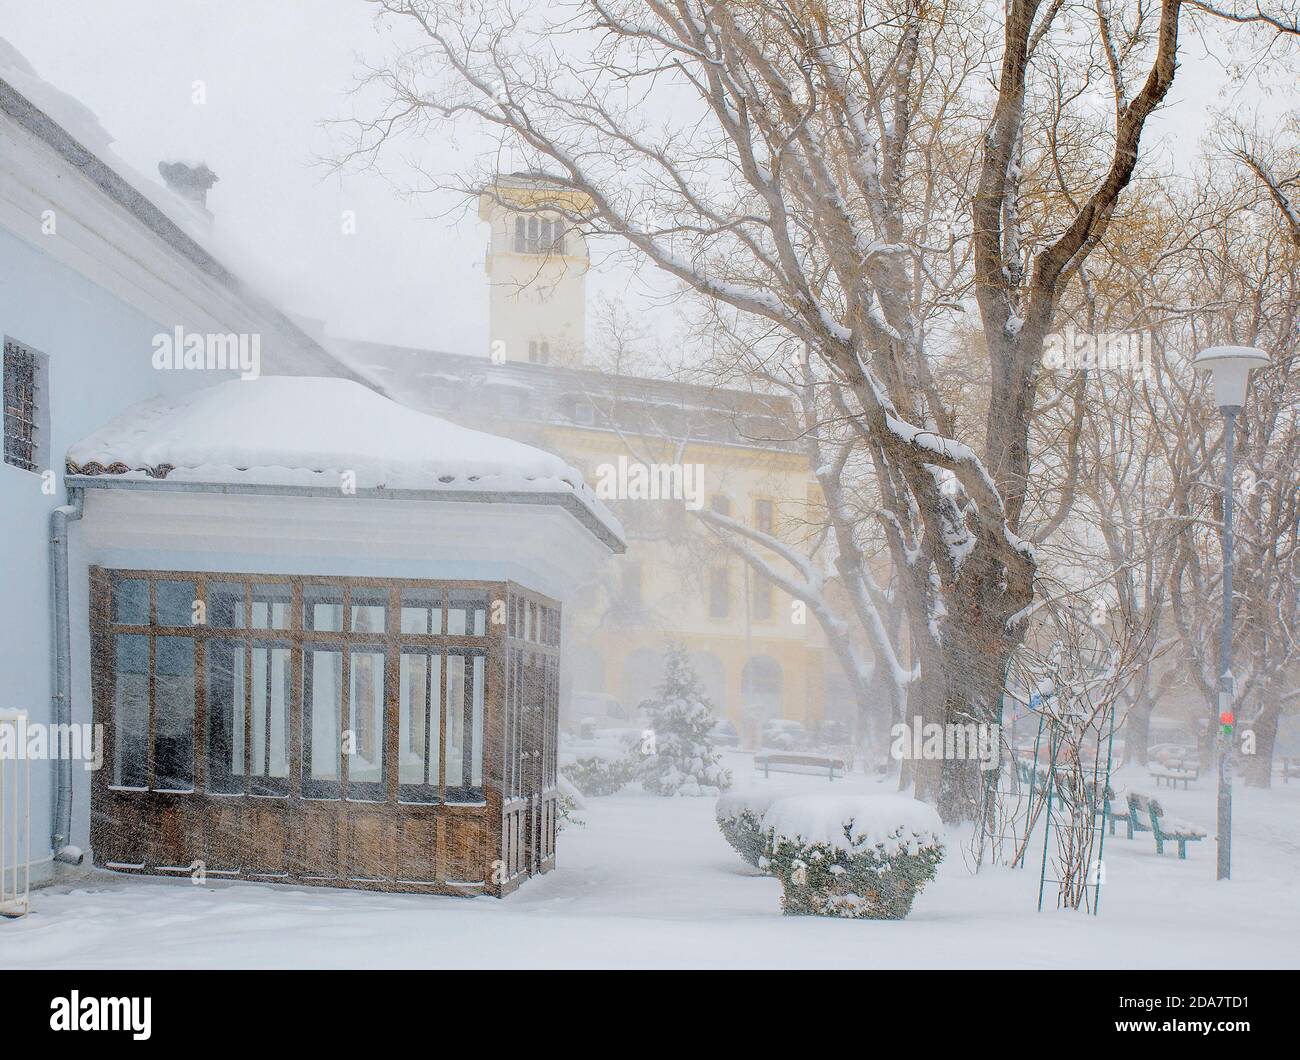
point(650, 883)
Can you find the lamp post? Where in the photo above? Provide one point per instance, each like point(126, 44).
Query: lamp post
point(1230, 368)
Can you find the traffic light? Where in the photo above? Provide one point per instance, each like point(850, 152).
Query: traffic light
point(1226, 719)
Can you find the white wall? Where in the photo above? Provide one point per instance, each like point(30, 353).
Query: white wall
point(99, 352)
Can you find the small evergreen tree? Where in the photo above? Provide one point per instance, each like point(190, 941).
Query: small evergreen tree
point(679, 759)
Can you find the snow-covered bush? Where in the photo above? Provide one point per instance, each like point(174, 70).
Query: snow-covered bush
point(597, 775)
point(678, 758)
point(740, 819)
point(862, 857)
point(566, 813)
point(568, 805)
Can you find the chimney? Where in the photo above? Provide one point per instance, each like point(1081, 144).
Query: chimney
point(189, 182)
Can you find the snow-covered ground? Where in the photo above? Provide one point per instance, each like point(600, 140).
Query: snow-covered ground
point(649, 882)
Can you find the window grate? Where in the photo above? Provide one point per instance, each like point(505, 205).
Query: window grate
point(21, 405)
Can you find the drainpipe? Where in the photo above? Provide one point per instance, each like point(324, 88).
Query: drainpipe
point(61, 703)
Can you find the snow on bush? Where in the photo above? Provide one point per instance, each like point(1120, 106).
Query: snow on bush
point(862, 857)
point(678, 758)
point(740, 818)
point(597, 775)
point(568, 805)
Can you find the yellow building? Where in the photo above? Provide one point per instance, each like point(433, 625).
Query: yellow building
point(656, 451)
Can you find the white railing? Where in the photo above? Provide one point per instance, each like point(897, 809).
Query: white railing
point(15, 815)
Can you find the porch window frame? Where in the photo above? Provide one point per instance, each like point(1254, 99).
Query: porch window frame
point(391, 643)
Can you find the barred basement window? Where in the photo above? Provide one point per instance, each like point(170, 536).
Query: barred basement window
point(26, 412)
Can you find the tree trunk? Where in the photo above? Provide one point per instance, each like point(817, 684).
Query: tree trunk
point(1137, 730)
point(1208, 742)
point(1259, 766)
point(974, 666)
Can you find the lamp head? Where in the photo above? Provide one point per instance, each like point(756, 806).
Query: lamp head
point(1229, 366)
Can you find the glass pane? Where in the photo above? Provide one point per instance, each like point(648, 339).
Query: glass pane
point(466, 613)
point(414, 619)
point(131, 602)
point(366, 725)
point(322, 728)
point(418, 722)
point(369, 606)
point(271, 606)
point(131, 710)
point(175, 602)
point(421, 611)
point(225, 605)
point(174, 714)
point(476, 725)
point(272, 672)
point(223, 666)
point(322, 608)
point(455, 707)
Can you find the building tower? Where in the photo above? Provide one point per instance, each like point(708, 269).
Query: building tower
point(537, 270)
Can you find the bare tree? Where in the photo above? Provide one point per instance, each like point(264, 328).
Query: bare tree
point(792, 160)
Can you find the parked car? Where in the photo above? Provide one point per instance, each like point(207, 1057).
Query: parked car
point(1165, 753)
point(782, 734)
point(724, 734)
point(590, 711)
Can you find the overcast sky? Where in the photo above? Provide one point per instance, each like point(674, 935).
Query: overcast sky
point(273, 70)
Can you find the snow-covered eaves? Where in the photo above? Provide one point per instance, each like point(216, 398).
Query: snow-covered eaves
point(296, 436)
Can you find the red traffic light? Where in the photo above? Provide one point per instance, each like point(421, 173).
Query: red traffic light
point(1226, 718)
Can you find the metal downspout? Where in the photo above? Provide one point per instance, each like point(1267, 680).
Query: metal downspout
point(61, 702)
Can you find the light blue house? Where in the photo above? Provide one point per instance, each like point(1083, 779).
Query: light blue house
point(318, 632)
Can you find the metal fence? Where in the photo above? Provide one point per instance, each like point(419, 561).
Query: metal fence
point(15, 815)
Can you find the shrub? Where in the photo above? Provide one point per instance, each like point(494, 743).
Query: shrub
point(683, 761)
point(595, 775)
point(567, 813)
point(862, 858)
point(740, 818)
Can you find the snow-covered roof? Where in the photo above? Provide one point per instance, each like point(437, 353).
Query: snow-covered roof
point(73, 131)
point(326, 434)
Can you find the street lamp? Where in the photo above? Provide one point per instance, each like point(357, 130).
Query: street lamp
point(1230, 368)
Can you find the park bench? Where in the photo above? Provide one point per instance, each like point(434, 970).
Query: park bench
point(798, 762)
point(1105, 809)
point(1174, 771)
point(1163, 828)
